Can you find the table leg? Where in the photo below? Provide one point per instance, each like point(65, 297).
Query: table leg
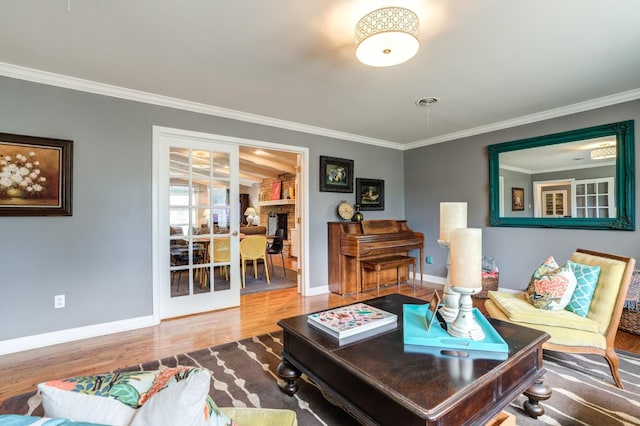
point(538, 391)
point(421, 265)
point(289, 374)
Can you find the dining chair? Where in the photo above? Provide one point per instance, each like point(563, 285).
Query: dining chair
point(178, 257)
point(220, 253)
point(254, 248)
point(275, 248)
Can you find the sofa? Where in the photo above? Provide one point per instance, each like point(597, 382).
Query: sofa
point(253, 230)
point(165, 397)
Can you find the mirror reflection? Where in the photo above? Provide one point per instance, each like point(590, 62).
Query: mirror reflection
point(573, 179)
point(578, 179)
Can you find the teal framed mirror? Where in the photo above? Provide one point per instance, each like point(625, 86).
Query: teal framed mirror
point(581, 179)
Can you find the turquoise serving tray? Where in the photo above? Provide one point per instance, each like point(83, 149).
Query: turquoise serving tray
point(415, 335)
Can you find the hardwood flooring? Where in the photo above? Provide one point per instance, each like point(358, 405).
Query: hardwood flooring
point(257, 314)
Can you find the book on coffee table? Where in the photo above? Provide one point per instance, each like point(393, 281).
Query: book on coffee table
point(353, 322)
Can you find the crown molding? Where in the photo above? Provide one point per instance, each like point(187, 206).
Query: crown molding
point(618, 98)
point(73, 83)
point(59, 80)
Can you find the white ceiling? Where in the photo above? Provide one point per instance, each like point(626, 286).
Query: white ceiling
point(291, 63)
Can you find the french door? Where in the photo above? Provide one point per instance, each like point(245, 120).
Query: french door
point(198, 220)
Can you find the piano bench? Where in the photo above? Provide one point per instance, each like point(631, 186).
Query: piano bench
point(388, 262)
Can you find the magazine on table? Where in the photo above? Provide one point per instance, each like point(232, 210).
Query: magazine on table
point(353, 322)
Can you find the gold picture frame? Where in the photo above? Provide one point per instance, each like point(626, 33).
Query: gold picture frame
point(35, 176)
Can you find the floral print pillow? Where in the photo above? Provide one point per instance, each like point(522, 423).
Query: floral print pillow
point(551, 286)
point(117, 398)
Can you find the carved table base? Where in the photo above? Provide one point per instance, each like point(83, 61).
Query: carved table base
point(537, 392)
point(289, 374)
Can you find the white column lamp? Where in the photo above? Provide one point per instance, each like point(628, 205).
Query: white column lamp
point(452, 216)
point(466, 279)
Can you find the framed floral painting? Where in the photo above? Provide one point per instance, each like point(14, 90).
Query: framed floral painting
point(35, 176)
point(517, 199)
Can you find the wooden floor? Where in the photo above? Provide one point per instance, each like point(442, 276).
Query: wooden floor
point(257, 314)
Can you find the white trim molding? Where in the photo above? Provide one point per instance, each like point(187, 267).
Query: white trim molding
point(69, 335)
point(618, 98)
point(67, 82)
point(59, 80)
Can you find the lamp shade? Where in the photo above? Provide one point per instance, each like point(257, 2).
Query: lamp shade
point(466, 257)
point(452, 215)
point(250, 211)
point(387, 36)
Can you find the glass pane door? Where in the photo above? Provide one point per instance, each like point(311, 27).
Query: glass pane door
point(199, 204)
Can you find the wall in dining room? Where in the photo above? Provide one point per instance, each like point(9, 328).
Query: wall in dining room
point(101, 257)
point(459, 171)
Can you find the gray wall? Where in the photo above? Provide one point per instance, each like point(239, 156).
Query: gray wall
point(459, 171)
point(100, 257)
point(517, 180)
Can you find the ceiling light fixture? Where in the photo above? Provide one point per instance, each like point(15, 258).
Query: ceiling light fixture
point(603, 153)
point(387, 36)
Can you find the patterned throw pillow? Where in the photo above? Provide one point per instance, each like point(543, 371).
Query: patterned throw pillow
point(165, 396)
point(551, 287)
point(587, 279)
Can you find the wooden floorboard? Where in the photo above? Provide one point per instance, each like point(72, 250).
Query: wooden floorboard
point(257, 314)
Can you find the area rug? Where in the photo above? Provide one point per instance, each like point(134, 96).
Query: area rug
point(244, 375)
point(277, 281)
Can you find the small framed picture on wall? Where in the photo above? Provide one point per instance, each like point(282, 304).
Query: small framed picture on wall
point(336, 174)
point(370, 194)
point(517, 199)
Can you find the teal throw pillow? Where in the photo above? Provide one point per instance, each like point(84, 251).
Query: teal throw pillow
point(587, 279)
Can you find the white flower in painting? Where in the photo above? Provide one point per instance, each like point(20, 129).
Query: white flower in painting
point(22, 172)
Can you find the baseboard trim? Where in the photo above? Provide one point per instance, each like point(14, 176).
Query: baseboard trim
point(64, 336)
point(432, 280)
point(316, 291)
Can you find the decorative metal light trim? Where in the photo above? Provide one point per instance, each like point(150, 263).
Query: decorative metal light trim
point(387, 36)
point(603, 153)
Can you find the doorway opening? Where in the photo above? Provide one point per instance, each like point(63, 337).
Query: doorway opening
point(269, 190)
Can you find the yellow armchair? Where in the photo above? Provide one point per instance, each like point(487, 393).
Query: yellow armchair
point(595, 333)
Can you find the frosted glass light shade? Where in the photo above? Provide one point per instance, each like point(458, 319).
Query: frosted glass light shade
point(387, 36)
point(466, 257)
point(452, 215)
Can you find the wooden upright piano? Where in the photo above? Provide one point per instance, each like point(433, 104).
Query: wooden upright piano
point(352, 242)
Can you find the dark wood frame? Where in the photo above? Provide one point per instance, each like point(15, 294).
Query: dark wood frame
point(327, 166)
point(514, 193)
point(63, 174)
point(365, 183)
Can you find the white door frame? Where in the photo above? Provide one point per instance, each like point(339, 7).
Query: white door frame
point(302, 196)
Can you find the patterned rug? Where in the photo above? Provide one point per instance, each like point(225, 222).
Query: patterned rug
point(244, 375)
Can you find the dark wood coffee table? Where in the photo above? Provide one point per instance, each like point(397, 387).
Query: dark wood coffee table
point(377, 382)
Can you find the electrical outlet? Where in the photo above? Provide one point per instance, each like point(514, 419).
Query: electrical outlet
point(429, 260)
point(58, 301)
